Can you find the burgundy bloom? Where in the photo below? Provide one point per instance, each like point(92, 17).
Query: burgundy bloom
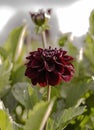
point(49, 67)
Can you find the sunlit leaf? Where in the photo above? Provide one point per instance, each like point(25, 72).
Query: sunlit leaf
point(5, 121)
point(3, 52)
point(20, 92)
point(17, 126)
point(89, 53)
point(50, 124)
point(63, 40)
point(67, 116)
point(91, 22)
point(72, 50)
point(18, 75)
point(14, 43)
point(39, 115)
point(5, 71)
point(73, 91)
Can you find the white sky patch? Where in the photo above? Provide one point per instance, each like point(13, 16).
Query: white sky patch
point(75, 18)
point(5, 14)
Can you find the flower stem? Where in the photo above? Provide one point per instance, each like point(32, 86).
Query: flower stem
point(44, 39)
point(48, 99)
point(48, 93)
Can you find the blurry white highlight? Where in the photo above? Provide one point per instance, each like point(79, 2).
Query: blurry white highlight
point(93, 77)
point(75, 18)
point(80, 58)
point(0, 60)
point(1, 105)
point(5, 14)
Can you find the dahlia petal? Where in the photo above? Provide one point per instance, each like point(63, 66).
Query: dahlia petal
point(53, 78)
point(34, 81)
point(40, 50)
point(43, 84)
point(30, 56)
point(28, 64)
point(64, 52)
point(31, 73)
point(42, 79)
point(36, 63)
point(67, 75)
point(68, 58)
point(49, 65)
point(58, 61)
point(66, 78)
point(59, 67)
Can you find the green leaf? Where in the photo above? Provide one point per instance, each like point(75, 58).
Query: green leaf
point(5, 71)
point(91, 22)
point(50, 124)
point(72, 50)
point(19, 47)
point(88, 39)
point(3, 52)
point(34, 94)
point(55, 92)
point(18, 75)
point(89, 53)
point(20, 92)
point(63, 40)
point(5, 121)
point(14, 43)
point(74, 90)
point(90, 101)
point(9, 101)
point(17, 126)
point(39, 116)
point(67, 116)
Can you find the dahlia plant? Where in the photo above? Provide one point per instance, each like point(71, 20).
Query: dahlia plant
point(51, 65)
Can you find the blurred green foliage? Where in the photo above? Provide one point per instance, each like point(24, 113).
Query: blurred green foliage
point(24, 107)
point(91, 23)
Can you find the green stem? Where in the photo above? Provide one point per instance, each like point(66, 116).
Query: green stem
point(48, 99)
point(48, 93)
point(44, 39)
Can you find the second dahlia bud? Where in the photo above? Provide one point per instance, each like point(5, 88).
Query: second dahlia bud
point(39, 18)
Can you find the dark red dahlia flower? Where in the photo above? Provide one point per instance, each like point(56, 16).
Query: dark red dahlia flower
point(49, 67)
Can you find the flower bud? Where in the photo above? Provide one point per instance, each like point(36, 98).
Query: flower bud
point(40, 18)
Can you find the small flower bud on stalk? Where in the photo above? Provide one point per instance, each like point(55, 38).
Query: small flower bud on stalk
point(38, 18)
point(41, 19)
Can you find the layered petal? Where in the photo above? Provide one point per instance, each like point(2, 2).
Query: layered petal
point(53, 78)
